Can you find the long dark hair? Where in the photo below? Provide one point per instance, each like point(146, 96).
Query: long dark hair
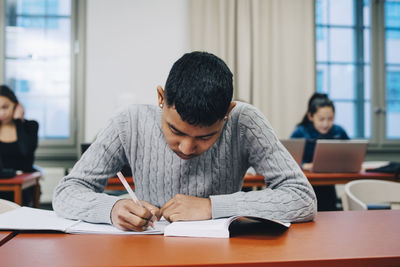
point(7, 92)
point(316, 101)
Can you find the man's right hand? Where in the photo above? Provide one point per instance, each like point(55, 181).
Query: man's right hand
point(127, 215)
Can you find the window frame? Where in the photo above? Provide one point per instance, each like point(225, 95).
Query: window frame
point(377, 141)
point(63, 149)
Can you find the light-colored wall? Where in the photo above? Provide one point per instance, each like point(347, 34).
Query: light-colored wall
point(130, 48)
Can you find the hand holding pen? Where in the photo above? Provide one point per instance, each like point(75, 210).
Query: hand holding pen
point(132, 214)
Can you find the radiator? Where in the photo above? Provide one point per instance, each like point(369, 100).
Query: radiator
point(51, 177)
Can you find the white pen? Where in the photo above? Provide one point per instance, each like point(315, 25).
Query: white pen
point(131, 193)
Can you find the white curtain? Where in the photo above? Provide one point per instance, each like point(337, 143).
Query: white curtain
point(268, 45)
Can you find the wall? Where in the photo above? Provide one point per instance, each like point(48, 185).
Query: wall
point(130, 47)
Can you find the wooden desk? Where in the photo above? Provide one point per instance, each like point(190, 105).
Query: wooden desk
point(326, 178)
point(21, 182)
point(345, 238)
point(343, 178)
point(314, 178)
point(5, 236)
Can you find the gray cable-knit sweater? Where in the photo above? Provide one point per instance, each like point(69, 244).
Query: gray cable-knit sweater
point(135, 137)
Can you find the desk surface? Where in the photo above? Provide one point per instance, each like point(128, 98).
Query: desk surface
point(353, 238)
point(5, 236)
point(21, 182)
point(327, 178)
point(21, 178)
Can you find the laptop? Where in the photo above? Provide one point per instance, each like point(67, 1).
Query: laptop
point(341, 156)
point(295, 148)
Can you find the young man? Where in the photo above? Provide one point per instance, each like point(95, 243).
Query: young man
point(188, 157)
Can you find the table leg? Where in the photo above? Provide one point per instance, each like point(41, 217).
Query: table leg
point(18, 195)
point(37, 194)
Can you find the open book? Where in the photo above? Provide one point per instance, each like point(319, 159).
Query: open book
point(30, 219)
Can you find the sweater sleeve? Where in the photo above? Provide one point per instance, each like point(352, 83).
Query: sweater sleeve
point(288, 196)
point(80, 195)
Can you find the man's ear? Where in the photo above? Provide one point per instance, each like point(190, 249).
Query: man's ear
point(160, 94)
point(231, 106)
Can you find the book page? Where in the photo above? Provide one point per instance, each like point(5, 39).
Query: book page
point(208, 228)
point(216, 228)
point(26, 218)
point(94, 228)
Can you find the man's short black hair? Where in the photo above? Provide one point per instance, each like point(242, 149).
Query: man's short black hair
point(200, 87)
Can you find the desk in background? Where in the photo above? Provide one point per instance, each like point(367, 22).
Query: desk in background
point(326, 178)
point(21, 182)
point(257, 180)
point(342, 238)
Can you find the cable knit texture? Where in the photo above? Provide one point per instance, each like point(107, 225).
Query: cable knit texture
point(135, 137)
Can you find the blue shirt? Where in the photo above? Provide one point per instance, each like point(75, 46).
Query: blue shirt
point(311, 135)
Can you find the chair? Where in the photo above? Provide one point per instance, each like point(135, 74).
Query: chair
point(6, 205)
point(371, 194)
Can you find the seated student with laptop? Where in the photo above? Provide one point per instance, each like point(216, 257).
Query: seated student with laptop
point(318, 123)
point(188, 156)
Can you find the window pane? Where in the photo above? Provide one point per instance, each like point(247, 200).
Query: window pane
point(58, 118)
point(57, 7)
point(322, 78)
point(341, 12)
point(367, 82)
point(367, 46)
point(25, 39)
point(393, 118)
point(321, 6)
point(31, 7)
point(366, 13)
point(322, 44)
point(344, 116)
point(392, 13)
point(393, 102)
point(342, 82)
point(392, 23)
point(367, 119)
point(393, 46)
point(38, 62)
point(341, 45)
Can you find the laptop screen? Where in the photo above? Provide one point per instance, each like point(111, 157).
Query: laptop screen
point(340, 156)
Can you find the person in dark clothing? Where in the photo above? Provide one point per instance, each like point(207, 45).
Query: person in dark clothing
point(18, 136)
point(318, 123)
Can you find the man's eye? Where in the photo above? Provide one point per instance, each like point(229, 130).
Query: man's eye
point(205, 138)
point(176, 133)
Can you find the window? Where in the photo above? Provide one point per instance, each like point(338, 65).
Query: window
point(355, 63)
point(392, 68)
point(39, 59)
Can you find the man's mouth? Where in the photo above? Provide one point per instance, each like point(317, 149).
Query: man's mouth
point(184, 156)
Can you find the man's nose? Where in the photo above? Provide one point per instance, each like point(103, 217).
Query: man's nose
point(187, 146)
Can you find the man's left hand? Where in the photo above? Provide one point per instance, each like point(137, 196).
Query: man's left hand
point(187, 208)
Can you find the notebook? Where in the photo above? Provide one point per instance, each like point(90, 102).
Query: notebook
point(31, 219)
point(295, 148)
point(341, 156)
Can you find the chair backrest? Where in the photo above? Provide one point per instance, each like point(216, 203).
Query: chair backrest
point(361, 194)
point(6, 205)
